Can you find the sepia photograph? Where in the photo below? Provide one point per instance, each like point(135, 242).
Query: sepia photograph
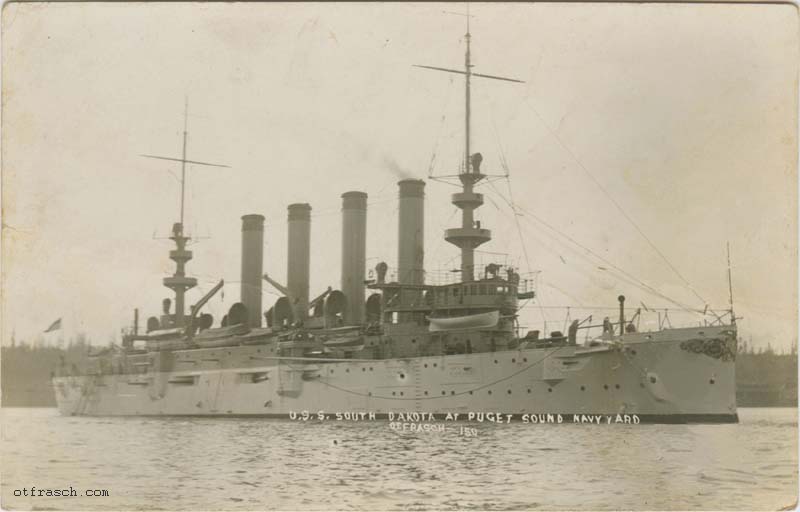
point(399, 256)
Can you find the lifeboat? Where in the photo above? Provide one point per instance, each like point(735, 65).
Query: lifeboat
point(454, 323)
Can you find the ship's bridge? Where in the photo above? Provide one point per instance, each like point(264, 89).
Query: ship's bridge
point(443, 294)
point(485, 272)
point(477, 294)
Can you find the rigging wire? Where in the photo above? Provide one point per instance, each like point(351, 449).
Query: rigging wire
point(521, 238)
point(440, 242)
point(504, 164)
point(539, 290)
point(616, 270)
point(625, 276)
point(608, 308)
point(503, 161)
point(629, 279)
point(441, 129)
point(615, 203)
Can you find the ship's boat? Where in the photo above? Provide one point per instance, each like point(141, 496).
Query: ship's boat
point(477, 321)
point(419, 342)
point(221, 337)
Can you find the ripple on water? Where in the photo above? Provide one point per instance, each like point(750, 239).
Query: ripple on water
point(284, 465)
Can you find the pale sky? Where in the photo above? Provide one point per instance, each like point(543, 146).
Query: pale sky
point(685, 116)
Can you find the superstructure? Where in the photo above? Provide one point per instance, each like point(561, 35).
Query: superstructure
point(397, 339)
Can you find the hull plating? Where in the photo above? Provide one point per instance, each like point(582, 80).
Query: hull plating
point(657, 380)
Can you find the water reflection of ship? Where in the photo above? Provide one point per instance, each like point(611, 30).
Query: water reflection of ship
point(421, 341)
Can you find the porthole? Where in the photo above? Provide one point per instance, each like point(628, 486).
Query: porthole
point(616, 386)
point(605, 386)
point(495, 361)
point(402, 375)
point(583, 388)
point(426, 393)
point(444, 392)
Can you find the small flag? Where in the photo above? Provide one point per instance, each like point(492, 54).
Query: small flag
point(54, 326)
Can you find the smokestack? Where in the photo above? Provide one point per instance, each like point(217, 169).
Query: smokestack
point(354, 254)
point(411, 232)
point(299, 257)
point(252, 266)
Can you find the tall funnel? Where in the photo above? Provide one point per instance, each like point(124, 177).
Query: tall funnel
point(252, 266)
point(297, 280)
point(411, 232)
point(354, 254)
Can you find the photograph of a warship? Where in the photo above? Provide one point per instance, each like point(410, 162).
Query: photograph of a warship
point(398, 339)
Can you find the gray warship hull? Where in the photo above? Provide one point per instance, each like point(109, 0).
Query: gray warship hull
point(669, 376)
point(422, 342)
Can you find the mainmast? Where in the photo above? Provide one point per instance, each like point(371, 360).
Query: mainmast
point(470, 235)
point(467, 99)
point(179, 282)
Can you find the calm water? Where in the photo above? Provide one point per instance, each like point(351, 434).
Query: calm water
point(239, 464)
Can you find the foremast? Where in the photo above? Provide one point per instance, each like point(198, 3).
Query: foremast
point(470, 235)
